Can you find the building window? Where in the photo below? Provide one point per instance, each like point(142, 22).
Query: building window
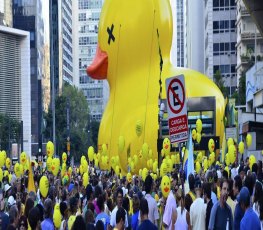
point(224, 48)
point(224, 5)
point(224, 26)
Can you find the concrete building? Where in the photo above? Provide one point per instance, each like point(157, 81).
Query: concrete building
point(178, 44)
point(33, 16)
point(63, 31)
point(6, 16)
point(96, 91)
point(15, 97)
point(220, 41)
point(194, 55)
point(248, 37)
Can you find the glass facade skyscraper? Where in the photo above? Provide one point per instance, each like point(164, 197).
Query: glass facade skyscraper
point(33, 16)
point(95, 91)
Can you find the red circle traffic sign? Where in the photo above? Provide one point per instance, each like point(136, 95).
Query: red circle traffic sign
point(181, 103)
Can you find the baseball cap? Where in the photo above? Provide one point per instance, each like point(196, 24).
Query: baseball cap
point(244, 195)
point(7, 187)
point(11, 201)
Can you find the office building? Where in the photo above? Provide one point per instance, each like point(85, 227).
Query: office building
point(33, 16)
point(248, 37)
point(96, 91)
point(15, 98)
point(220, 41)
point(63, 31)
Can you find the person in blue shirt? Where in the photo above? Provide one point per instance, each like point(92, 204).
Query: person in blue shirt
point(135, 216)
point(250, 219)
point(238, 214)
point(47, 223)
point(146, 224)
point(102, 215)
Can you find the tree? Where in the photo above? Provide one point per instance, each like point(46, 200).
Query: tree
point(240, 94)
point(10, 130)
point(78, 120)
point(218, 79)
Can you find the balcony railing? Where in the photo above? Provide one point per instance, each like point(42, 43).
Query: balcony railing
point(250, 35)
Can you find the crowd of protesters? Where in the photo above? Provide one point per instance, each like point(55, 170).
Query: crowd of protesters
point(215, 199)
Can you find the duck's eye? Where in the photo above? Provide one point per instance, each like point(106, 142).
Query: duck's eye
point(110, 32)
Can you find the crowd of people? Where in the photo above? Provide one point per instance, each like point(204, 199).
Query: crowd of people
point(215, 199)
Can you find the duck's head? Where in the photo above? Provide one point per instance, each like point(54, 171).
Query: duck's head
point(128, 35)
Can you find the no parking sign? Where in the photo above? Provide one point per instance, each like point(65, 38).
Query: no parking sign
point(177, 109)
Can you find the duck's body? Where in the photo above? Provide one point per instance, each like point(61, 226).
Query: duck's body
point(136, 36)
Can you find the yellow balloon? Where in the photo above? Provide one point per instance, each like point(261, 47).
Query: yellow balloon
point(145, 150)
point(85, 179)
point(83, 158)
point(8, 163)
point(249, 140)
point(165, 186)
point(198, 137)
point(199, 126)
point(2, 159)
point(150, 164)
point(205, 164)
point(252, 160)
point(163, 169)
point(70, 170)
point(49, 163)
point(98, 156)
point(197, 167)
point(144, 173)
point(200, 157)
point(194, 134)
point(91, 153)
point(227, 159)
point(85, 166)
point(140, 172)
point(64, 157)
point(166, 146)
point(64, 166)
point(57, 216)
point(55, 166)
point(17, 170)
point(212, 158)
point(169, 164)
point(129, 177)
point(231, 157)
point(1, 174)
point(4, 154)
point(81, 169)
point(121, 144)
point(230, 141)
point(211, 145)
point(113, 162)
point(44, 186)
point(155, 166)
point(23, 158)
point(138, 128)
point(241, 147)
point(50, 149)
point(96, 163)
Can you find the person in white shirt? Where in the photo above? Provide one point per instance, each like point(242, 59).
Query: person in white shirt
point(170, 209)
point(198, 208)
point(119, 195)
point(153, 214)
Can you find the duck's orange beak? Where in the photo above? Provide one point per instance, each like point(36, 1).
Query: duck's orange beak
point(99, 67)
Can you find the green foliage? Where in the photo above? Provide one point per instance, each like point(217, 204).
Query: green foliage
point(79, 120)
point(240, 93)
point(218, 79)
point(9, 130)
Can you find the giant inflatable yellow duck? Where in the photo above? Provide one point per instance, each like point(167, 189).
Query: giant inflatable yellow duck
point(133, 54)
